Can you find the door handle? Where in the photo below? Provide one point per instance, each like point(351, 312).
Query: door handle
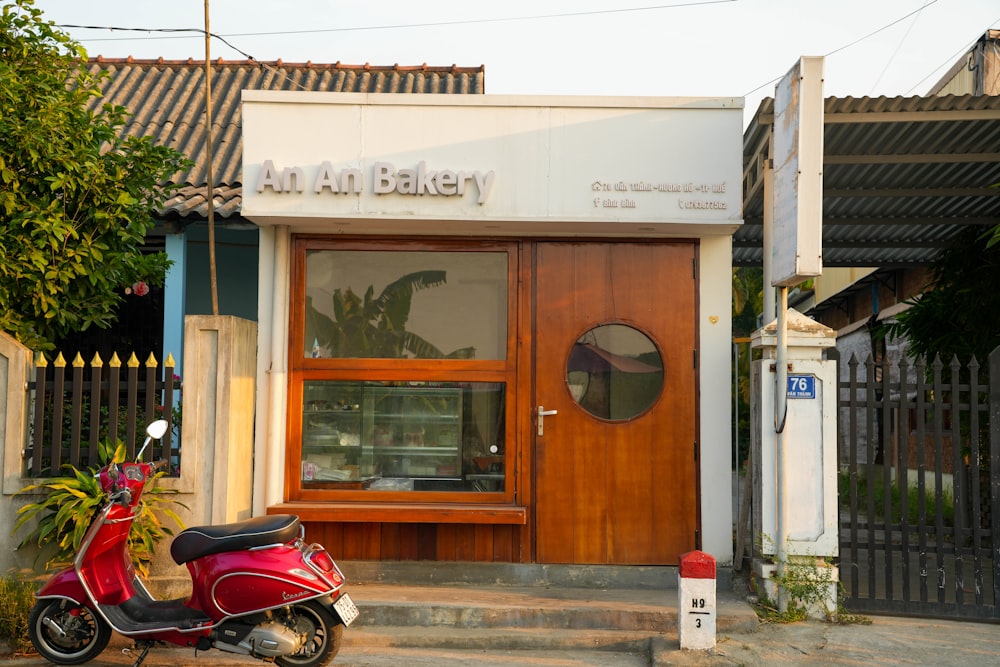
point(542, 413)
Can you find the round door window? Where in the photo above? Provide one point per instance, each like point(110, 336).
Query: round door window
point(614, 372)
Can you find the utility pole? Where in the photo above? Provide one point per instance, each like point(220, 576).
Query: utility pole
point(209, 158)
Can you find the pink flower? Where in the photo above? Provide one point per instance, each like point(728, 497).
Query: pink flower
point(140, 288)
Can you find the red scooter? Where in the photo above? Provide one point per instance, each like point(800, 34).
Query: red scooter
point(258, 589)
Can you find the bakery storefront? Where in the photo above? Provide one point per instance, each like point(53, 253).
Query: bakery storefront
point(495, 328)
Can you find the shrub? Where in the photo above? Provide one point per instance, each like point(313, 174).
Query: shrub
point(876, 488)
point(17, 595)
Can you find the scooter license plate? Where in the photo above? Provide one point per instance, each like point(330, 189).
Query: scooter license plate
point(346, 608)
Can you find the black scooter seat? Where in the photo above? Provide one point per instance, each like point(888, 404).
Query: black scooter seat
point(259, 531)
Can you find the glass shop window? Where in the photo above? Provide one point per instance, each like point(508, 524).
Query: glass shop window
point(400, 367)
point(405, 305)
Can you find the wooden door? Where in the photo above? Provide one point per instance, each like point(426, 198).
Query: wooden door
point(615, 489)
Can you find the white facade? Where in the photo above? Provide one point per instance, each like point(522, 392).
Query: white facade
point(626, 168)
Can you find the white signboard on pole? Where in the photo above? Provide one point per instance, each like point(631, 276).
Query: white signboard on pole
point(797, 240)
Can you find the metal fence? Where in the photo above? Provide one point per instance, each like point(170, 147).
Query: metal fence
point(920, 487)
point(80, 409)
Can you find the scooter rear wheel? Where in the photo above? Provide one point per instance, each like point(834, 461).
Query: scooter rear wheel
point(67, 633)
point(323, 635)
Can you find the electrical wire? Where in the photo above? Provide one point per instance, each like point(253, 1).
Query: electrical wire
point(429, 24)
point(850, 44)
point(221, 38)
point(948, 61)
point(196, 31)
point(899, 46)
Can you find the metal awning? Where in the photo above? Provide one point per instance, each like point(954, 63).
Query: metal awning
point(902, 177)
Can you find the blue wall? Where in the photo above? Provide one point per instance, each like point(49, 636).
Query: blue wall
point(188, 286)
point(236, 257)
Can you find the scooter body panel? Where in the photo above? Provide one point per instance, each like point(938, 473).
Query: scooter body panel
point(235, 583)
point(64, 584)
point(107, 570)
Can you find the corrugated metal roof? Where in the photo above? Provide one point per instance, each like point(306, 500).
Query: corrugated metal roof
point(167, 100)
point(902, 176)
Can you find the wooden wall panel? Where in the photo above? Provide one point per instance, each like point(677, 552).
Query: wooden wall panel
point(409, 541)
point(483, 543)
point(418, 541)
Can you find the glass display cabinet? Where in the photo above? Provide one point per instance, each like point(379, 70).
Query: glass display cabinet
point(331, 431)
point(363, 435)
point(412, 433)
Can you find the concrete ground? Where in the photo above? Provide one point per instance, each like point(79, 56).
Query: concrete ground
point(886, 641)
point(550, 622)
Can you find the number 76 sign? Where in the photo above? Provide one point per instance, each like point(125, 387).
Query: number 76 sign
point(801, 386)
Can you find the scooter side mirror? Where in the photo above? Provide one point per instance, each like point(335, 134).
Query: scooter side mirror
point(157, 429)
point(154, 431)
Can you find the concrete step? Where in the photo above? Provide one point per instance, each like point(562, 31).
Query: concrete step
point(507, 607)
point(526, 608)
point(526, 618)
point(498, 639)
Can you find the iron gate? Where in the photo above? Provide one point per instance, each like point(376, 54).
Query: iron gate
point(920, 487)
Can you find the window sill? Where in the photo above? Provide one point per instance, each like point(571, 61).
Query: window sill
point(402, 512)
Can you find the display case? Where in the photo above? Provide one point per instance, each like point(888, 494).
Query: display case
point(331, 432)
point(357, 435)
point(413, 432)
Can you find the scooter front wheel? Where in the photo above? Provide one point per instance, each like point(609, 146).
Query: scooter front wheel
point(322, 633)
point(67, 633)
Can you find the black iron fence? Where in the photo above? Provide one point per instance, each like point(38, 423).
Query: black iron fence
point(920, 487)
point(80, 409)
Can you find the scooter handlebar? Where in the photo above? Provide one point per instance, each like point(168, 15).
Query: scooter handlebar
point(123, 497)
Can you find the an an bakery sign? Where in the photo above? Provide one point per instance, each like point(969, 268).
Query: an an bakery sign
point(385, 179)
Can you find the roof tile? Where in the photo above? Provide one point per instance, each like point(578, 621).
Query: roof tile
point(167, 101)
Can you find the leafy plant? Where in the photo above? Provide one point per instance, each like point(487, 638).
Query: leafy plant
point(959, 312)
point(77, 192)
point(70, 503)
point(373, 326)
point(806, 582)
point(748, 304)
point(17, 596)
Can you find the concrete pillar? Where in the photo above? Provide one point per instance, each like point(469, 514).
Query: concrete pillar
point(217, 459)
point(796, 515)
point(16, 367)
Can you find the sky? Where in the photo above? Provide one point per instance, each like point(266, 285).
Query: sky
point(700, 48)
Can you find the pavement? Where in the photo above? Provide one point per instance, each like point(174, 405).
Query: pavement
point(552, 626)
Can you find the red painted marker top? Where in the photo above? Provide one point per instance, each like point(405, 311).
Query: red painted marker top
point(697, 565)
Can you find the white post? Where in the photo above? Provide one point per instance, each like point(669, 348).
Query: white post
point(696, 601)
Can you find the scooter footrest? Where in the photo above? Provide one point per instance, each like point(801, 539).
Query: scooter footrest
point(138, 616)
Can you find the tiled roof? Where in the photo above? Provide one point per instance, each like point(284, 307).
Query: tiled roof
point(167, 102)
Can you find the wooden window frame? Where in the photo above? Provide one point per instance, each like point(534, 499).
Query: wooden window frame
point(435, 506)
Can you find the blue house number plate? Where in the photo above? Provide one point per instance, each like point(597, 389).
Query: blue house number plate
point(801, 386)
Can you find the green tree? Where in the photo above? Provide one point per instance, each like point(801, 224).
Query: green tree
point(959, 312)
point(748, 304)
point(748, 299)
point(76, 193)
